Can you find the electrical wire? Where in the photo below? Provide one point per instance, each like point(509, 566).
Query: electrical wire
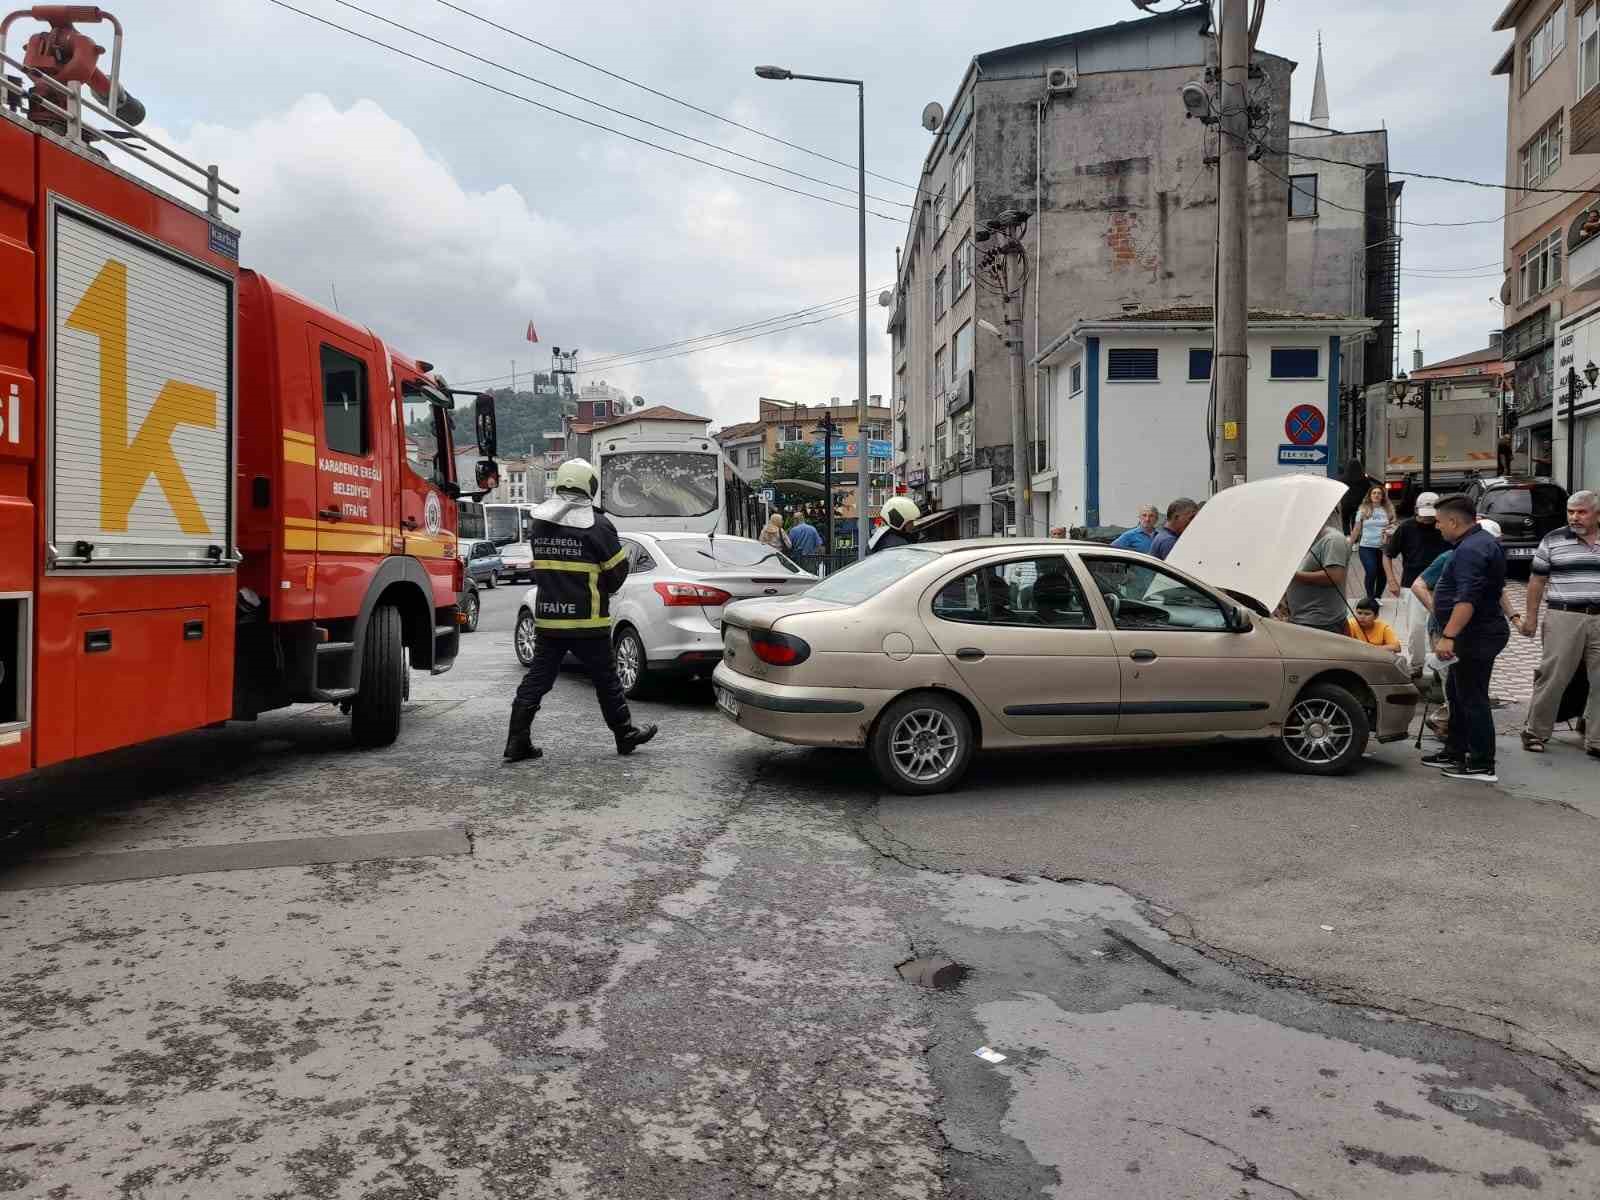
point(847, 312)
point(705, 112)
point(560, 112)
point(578, 96)
point(1479, 183)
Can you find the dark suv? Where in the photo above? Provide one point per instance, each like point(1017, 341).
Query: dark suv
point(1527, 509)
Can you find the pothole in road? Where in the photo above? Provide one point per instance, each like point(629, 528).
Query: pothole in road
point(937, 972)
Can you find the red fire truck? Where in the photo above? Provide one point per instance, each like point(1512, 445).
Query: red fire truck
point(216, 497)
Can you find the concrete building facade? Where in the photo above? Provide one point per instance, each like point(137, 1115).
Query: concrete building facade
point(1552, 264)
point(1085, 133)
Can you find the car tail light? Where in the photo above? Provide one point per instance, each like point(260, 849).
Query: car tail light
point(458, 581)
point(1396, 485)
point(778, 649)
point(691, 595)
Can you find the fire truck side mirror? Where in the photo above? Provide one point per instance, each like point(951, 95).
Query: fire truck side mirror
point(483, 416)
point(488, 475)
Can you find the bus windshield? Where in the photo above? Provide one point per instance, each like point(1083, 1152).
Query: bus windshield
point(503, 523)
point(659, 483)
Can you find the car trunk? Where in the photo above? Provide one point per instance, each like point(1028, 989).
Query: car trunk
point(748, 585)
point(764, 613)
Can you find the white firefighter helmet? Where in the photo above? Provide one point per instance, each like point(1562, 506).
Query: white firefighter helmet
point(576, 475)
point(899, 511)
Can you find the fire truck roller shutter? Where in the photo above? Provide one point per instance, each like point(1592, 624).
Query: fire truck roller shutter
point(141, 389)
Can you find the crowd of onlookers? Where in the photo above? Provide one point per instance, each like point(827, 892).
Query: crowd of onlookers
point(1447, 572)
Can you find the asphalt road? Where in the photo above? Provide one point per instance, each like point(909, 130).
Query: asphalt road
point(306, 971)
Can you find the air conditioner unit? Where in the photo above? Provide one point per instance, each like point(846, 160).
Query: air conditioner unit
point(1061, 81)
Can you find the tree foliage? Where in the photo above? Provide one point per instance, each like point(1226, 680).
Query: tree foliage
point(521, 420)
point(792, 462)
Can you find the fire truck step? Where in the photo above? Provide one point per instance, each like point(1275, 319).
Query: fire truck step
point(335, 648)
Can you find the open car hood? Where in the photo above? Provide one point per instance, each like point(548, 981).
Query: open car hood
point(1252, 538)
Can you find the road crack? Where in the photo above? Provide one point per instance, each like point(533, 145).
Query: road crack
point(1246, 1166)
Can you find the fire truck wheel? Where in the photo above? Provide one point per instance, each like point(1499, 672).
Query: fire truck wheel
point(375, 720)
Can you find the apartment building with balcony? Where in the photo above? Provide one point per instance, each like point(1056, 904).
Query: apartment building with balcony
point(1552, 238)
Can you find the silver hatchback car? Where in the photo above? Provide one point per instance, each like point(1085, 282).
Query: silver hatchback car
point(666, 620)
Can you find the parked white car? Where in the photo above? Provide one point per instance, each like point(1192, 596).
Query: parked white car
point(667, 618)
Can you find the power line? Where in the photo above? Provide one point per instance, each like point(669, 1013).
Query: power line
point(1503, 187)
point(578, 96)
point(604, 359)
point(667, 95)
point(560, 112)
point(719, 345)
point(605, 362)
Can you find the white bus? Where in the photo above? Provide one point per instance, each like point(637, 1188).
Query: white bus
point(662, 485)
point(507, 523)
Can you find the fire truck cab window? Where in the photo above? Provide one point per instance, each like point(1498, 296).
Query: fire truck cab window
point(344, 402)
point(424, 424)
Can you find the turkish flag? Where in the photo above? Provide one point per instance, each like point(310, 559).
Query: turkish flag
point(533, 335)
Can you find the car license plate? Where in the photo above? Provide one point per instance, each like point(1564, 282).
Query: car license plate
point(1520, 552)
point(727, 703)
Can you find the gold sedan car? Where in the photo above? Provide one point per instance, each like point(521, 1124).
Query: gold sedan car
point(926, 654)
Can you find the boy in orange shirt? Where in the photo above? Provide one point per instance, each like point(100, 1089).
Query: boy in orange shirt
point(1366, 627)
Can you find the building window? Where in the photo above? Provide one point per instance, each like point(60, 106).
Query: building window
point(1543, 44)
point(1077, 379)
point(938, 371)
point(1588, 49)
point(938, 294)
point(601, 411)
point(964, 437)
point(344, 402)
point(752, 456)
point(1123, 366)
point(1302, 195)
point(1296, 362)
point(941, 215)
point(961, 268)
point(1200, 363)
point(1540, 265)
point(961, 347)
point(941, 441)
point(962, 179)
point(1542, 155)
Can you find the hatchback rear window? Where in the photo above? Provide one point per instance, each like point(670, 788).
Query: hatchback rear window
point(721, 554)
point(867, 578)
point(1504, 502)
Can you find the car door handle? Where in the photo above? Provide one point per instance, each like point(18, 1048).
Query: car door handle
point(329, 514)
point(409, 522)
point(969, 654)
point(1143, 656)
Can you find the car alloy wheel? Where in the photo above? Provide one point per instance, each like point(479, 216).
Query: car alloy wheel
point(470, 609)
point(1318, 731)
point(630, 661)
point(525, 637)
point(924, 745)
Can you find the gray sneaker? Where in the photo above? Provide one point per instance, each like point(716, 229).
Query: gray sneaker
point(1477, 772)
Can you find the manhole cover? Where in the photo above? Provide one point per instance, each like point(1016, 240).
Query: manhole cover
point(937, 972)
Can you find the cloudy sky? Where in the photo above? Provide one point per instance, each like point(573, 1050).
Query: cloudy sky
point(447, 215)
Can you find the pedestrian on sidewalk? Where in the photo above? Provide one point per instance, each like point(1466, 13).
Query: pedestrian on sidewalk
point(1316, 595)
point(1374, 519)
point(1356, 484)
point(1179, 513)
point(1143, 535)
point(772, 533)
point(1413, 547)
point(1366, 626)
point(1566, 574)
point(1468, 607)
point(805, 543)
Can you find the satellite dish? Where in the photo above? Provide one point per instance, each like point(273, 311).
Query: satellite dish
point(933, 116)
point(885, 299)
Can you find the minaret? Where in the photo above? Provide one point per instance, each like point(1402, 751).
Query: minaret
point(1319, 92)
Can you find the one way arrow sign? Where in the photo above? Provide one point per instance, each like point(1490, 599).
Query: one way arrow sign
point(1302, 456)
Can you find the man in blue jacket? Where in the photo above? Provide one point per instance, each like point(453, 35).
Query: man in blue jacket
point(1473, 631)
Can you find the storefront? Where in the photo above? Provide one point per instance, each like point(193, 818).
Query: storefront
point(1530, 343)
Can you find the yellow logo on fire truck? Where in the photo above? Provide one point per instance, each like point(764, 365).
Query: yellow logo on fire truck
point(126, 464)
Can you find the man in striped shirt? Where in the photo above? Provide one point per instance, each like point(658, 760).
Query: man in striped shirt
point(1566, 568)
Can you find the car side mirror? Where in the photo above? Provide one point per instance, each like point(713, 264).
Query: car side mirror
point(1239, 621)
point(487, 474)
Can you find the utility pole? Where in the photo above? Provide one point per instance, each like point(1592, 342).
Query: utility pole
point(1426, 401)
point(827, 484)
point(1233, 308)
point(1021, 459)
point(863, 517)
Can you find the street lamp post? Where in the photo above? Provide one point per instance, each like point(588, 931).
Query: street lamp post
point(863, 520)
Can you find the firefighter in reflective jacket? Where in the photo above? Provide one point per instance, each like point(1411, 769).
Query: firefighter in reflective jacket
point(578, 563)
point(898, 513)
